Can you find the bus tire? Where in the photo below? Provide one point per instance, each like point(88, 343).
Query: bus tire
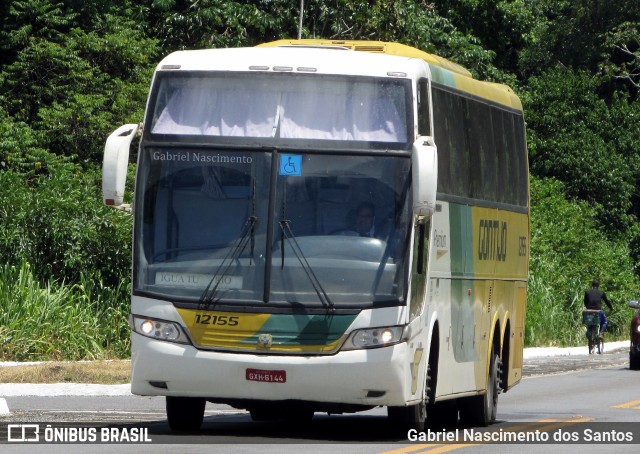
point(442, 415)
point(404, 419)
point(262, 413)
point(480, 411)
point(185, 413)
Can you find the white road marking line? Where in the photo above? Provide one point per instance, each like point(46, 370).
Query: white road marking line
point(4, 408)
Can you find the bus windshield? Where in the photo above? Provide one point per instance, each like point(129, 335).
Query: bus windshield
point(226, 226)
point(282, 107)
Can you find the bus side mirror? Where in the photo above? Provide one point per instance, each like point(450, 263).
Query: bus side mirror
point(424, 173)
point(115, 164)
point(634, 304)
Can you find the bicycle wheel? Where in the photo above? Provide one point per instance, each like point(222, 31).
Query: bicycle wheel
point(591, 335)
point(600, 345)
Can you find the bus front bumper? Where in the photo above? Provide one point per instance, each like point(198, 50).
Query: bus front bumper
point(360, 377)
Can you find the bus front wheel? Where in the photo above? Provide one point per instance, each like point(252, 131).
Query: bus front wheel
point(412, 416)
point(407, 418)
point(185, 413)
point(481, 410)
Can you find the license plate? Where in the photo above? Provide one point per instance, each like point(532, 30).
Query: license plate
point(269, 376)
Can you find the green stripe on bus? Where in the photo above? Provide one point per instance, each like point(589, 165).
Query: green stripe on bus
point(461, 240)
point(289, 329)
point(442, 76)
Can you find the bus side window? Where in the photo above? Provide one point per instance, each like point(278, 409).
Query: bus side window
point(502, 126)
point(482, 153)
point(523, 175)
point(424, 117)
point(419, 275)
point(423, 257)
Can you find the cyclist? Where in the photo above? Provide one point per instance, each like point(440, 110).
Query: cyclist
point(593, 299)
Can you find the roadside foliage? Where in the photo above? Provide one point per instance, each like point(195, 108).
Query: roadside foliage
point(71, 71)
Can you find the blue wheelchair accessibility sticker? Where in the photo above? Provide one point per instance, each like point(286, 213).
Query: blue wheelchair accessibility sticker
point(291, 165)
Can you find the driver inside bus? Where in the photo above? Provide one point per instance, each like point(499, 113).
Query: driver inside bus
point(365, 220)
point(362, 222)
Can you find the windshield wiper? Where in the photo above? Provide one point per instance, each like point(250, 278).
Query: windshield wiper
point(247, 236)
point(391, 239)
point(287, 233)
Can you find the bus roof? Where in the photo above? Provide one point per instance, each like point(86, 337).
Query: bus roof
point(443, 71)
point(381, 47)
point(293, 59)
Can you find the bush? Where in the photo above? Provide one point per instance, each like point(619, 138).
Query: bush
point(57, 223)
point(567, 252)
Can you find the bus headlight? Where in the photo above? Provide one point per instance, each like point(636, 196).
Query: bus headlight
point(374, 337)
point(158, 329)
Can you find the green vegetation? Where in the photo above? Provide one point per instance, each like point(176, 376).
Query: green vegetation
point(56, 321)
point(71, 71)
point(567, 248)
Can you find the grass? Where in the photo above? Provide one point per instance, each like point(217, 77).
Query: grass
point(104, 372)
point(58, 322)
point(54, 321)
point(553, 323)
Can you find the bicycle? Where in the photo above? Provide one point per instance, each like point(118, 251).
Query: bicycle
point(591, 319)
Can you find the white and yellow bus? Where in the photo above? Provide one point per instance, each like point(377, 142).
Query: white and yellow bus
point(254, 284)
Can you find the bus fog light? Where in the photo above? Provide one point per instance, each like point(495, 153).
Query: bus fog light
point(159, 329)
point(374, 337)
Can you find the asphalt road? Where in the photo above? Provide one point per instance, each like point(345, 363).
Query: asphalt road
point(574, 359)
point(225, 427)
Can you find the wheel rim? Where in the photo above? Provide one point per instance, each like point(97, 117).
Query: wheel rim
point(492, 390)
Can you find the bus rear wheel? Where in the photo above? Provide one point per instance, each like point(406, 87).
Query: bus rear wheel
point(480, 411)
point(185, 413)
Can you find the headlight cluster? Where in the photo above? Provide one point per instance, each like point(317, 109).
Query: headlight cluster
point(159, 329)
point(374, 337)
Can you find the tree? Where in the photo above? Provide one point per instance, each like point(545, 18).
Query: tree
point(502, 26)
point(185, 24)
point(575, 137)
point(71, 84)
point(573, 32)
point(415, 23)
point(218, 23)
point(19, 149)
point(620, 67)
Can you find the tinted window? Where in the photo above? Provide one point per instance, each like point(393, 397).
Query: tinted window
point(481, 150)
